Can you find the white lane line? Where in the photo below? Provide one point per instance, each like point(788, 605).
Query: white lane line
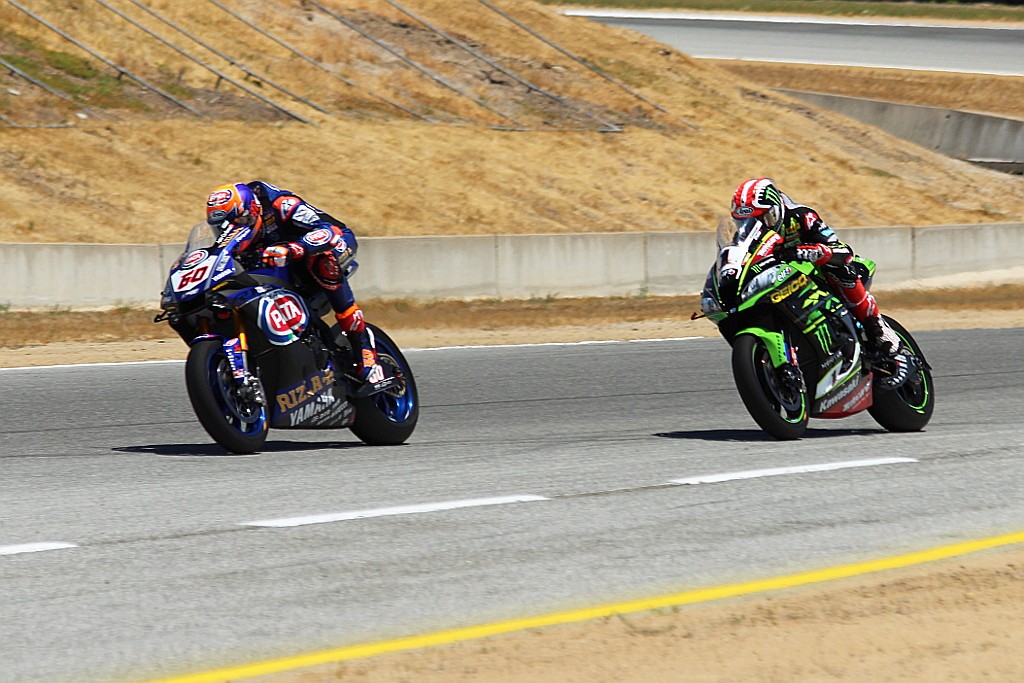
point(576, 343)
point(778, 471)
point(90, 365)
point(386, 512)
point(33, 547)
point(22, 368)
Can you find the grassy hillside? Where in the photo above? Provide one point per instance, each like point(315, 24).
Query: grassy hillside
point(428, 138)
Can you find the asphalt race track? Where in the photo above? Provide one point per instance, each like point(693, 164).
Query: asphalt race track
point(167, 576)
point(821, 40)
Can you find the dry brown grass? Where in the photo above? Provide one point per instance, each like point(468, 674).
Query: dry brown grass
point(143, 177)
point(24, 328)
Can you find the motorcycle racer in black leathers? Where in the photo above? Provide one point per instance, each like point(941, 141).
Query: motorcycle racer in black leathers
point(808, 238)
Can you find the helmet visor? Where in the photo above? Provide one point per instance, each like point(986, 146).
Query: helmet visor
point(246, 219)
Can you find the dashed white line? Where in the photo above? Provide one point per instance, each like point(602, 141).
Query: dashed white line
point(22, 368)
point(33, 548)
point(67, 366)
point(595, 342)
point(386, 512)
point(778, 471)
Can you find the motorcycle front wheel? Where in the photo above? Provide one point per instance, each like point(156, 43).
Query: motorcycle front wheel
point(777, 406)
point(238, 425)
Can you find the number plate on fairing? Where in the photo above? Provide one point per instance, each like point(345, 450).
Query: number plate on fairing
point(194, 270)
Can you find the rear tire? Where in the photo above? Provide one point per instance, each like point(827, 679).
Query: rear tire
point(388, 418)
point(909, 407)
point(779, 410)
point(238, 427)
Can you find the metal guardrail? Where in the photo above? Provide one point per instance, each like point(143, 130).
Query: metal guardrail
point(606, 126)
point(220, 74)
point(228, 58)
point(45, 86)
point(410, 62)
point(586, 64)
point(320, 65)
point(120, 69)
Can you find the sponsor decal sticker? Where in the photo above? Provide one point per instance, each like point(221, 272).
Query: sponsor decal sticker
point(787, 290)
point(319, 237)
point(196, 257)
point(287, 205)
point(857, 398)
point(283, 318)
point(311, 399)
point(219, 197)
point(839, 395)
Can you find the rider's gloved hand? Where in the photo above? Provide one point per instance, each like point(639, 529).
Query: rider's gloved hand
point(279, 254)
point(818, 254)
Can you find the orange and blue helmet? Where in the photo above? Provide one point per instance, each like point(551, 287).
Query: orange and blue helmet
point(236, 204)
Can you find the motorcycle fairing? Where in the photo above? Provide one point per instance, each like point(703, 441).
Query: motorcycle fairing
point(775, 342)
point(853, 396)
point(314, 402)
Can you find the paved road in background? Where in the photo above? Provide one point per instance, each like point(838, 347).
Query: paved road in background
point(166, 578)
point(820, 40)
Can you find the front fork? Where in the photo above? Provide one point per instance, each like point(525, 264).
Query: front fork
point(236, 350)
point(783, 354)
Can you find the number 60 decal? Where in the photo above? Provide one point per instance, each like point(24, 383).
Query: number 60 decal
point(187, 279)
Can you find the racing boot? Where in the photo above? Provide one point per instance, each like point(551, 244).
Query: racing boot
point(364, 347)
point(884, 339)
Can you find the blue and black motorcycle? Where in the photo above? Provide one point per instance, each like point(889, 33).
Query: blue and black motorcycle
point(261, 354)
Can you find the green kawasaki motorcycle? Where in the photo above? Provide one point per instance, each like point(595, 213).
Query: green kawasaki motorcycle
point(797, 352)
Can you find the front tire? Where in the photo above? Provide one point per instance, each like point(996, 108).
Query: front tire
point(388, 418)
point(908, 408)
point(778, 407)
point(239, 426)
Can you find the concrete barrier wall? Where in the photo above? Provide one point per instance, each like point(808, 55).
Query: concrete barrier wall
point(959, 134)
point(499, 266)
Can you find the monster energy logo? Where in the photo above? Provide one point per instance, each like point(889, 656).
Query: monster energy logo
point(771, 195)
point(824, 337)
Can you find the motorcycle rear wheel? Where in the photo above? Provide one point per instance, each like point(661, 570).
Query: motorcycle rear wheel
point(238, 426)
point(909, 407)
point(781, 411)
point(388, 418)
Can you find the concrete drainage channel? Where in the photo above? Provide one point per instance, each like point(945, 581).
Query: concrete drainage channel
point(991, 141)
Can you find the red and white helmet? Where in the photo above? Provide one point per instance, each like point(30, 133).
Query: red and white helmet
point(758, 198)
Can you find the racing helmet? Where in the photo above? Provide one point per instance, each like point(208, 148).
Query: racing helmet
point(236, 204)
point(758, 198)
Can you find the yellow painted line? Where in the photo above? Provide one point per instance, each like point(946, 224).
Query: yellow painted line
point(688, 598)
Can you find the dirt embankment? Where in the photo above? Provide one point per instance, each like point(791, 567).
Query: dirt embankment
point(486, 155)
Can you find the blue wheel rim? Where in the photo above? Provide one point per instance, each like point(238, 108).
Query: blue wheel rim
point(395, 407)
point(223, 387)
